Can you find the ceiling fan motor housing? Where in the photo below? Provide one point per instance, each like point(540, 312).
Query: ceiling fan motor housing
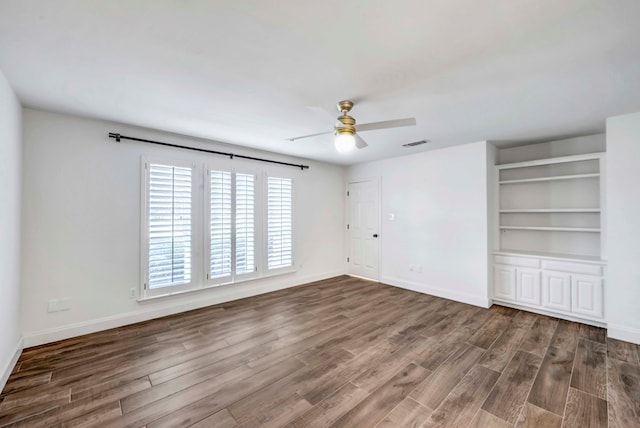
point(348, 122)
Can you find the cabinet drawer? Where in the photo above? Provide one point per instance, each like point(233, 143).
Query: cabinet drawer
point(581, 268)
point(517, 261)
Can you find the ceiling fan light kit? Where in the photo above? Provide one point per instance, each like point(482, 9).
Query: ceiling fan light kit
point(344, 142)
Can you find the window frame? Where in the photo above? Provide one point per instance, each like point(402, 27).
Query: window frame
point(200, 224)
point(233, 277)
point(146, 292)
point(266, 272)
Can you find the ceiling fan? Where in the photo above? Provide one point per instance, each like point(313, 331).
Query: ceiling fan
point(346, 131)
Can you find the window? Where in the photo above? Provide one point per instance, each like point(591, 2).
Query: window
point(168, 220)
point(243, 220)
point(232, 226)
point(279, 223)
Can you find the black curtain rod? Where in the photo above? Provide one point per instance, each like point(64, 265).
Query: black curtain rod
point(119, 137)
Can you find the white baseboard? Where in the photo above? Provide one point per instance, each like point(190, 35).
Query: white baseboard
point(471, 299)
point(148, 311)
point(625, 333)
point(5, 371)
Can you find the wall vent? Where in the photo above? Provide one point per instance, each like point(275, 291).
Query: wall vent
point(415, 143)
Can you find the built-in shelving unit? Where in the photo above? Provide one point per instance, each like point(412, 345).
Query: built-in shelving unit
point(550, 236)
point(551, 205)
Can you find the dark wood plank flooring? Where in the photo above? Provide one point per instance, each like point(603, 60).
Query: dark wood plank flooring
point(340, 352)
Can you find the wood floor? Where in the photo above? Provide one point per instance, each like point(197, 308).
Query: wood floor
point(342, 352)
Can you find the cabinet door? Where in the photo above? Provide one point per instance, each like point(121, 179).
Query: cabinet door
point(586, 295)
point(504, 282)
point(556, 290)
point(528, 286)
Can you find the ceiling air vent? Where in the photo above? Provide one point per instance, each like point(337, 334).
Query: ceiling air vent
point(415, 143)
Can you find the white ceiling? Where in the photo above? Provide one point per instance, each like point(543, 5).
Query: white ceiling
point(245, 72)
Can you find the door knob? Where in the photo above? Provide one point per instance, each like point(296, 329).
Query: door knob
point(375, 235)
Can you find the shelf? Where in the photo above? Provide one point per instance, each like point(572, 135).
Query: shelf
point(550, 161)
point(552, 178)
point(552, 256)
point(552, 229)
point(552, 210)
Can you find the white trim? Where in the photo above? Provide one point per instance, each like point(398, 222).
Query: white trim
point(471, 299)
point(549, 161)
point(553, 314)
point(625, 333)
point(225, 294)
point(552, 256)
point(5, 371)
point(550, 178)
point(551, 210)
point(553, 229)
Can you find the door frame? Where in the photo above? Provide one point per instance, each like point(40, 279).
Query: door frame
point(378, 183)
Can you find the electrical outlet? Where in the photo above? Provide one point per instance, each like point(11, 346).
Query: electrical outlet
point(52, 306)
point(132, 293)
point(411, 268)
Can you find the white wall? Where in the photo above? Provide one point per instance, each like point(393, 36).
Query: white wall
point(10, 205)
point(439, 199)
point(82, 226)
point(622, 289)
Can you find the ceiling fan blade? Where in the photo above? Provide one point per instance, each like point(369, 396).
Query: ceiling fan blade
point(310, 135)
point(360, 143)
point(396, 123)
point(321, 112)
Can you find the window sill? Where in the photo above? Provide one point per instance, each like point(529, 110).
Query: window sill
point(213, 286)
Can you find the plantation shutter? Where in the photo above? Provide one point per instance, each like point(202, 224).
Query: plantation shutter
point(245, 224)
point(220, 224)
point(279, 222)
point(169, 222)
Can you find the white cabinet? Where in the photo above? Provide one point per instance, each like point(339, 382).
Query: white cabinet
point(528, 286)
point(556, 291)
point(586, 295)
point(561, 288)
point(505, 282)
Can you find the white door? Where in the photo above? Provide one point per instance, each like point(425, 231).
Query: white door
point(364, 224)
point(556, 291)
point(504, 286)
point(528, 286)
